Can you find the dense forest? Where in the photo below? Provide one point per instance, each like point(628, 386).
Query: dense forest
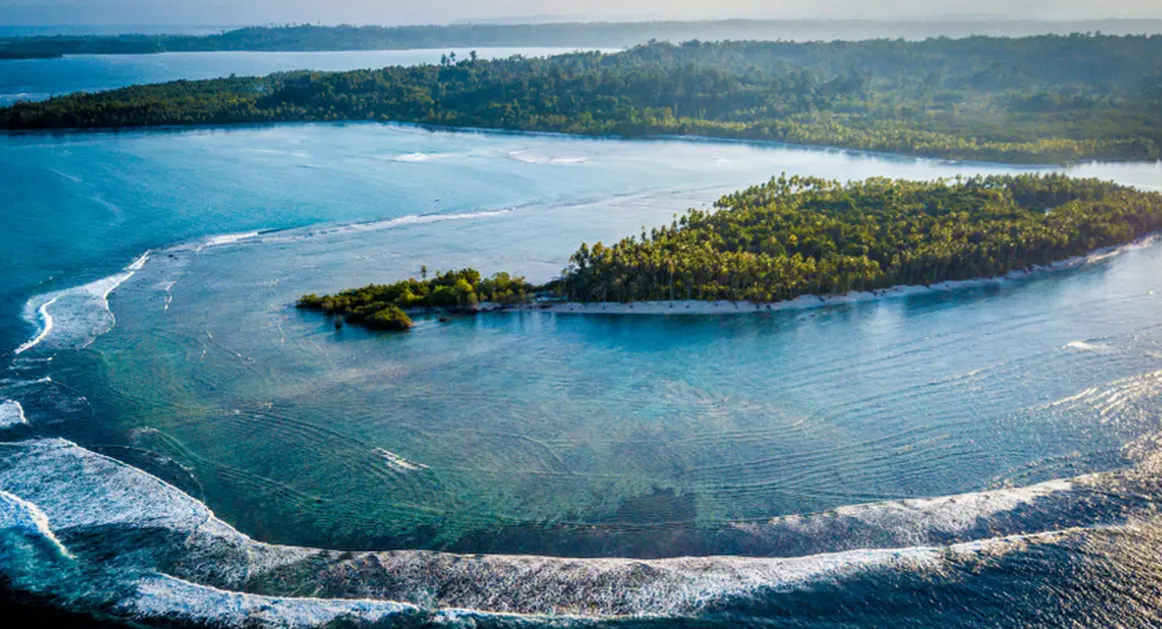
point(807, 236)
point(1038, 99)
point(382, 306)
point(801, 236)
point(581, 35)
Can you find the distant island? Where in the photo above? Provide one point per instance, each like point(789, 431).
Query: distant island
point(548, 34)
point(1043, 99)
point(803, 236)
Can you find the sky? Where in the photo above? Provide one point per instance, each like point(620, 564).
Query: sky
point(239, 12)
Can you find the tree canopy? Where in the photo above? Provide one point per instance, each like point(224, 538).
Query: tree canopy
point(1036, 99)
point(798, 236)
point(381, 306)
point(808, 236)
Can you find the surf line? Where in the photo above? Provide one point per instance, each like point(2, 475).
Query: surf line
point(105, 286)
point(45, 329)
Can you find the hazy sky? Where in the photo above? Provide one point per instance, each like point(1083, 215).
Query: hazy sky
point(230, 12)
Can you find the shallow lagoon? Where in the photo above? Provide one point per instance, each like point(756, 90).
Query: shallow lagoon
point(535, 432)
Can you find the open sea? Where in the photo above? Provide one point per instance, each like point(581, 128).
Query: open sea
point(179, 444)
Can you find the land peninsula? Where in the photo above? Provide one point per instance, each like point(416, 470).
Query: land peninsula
point(1045, 99)
point(795, 237)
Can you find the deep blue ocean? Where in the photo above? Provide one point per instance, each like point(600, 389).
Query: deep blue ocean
point(181, 444)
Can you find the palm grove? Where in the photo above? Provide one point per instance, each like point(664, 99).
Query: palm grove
point(800, 236)
point(1034, 99)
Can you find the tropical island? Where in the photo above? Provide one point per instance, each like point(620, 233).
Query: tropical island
point(1046, 99)
point(799, 236)
point(383, 306)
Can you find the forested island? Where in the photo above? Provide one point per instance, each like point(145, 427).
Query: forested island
point(382, 306)
point(1038, 99)
point(807, 236)
point(307, 37)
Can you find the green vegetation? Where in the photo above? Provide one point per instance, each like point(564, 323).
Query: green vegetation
point(801, 236)
point(1040, 99)
point(807, 236)
point(390, 318)
point(381, 306)
point(565, 34)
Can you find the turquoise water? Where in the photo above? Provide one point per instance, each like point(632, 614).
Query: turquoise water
point(822, 461)
point(38, 79)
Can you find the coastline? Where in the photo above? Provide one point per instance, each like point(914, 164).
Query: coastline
point(810, 302)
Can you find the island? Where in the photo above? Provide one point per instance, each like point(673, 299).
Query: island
point(798, 236)
point(1046, 99)
point(382, 306)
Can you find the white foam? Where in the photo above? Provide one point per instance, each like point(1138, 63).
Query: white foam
point(87, 309)
point(167, 597)
point(11, 414)
point(399, 463)
point(46, 325)
point(86, 494)
point(1087, 347)
point(227, 239)
point(18, 513)
point(411, 219)
point(414, 158)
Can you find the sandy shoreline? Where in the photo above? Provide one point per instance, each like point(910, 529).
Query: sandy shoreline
point(805, 302)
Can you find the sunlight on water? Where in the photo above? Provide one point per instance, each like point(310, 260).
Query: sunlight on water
point(886, 442)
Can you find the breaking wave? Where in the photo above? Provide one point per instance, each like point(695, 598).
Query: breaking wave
point(194, 567)
point(11, 414)
point(83, 311)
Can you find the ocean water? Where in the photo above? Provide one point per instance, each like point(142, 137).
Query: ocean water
point(180, 442)
point(39, 79)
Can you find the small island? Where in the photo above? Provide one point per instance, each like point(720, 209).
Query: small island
point(385, 306)
point(799, 236)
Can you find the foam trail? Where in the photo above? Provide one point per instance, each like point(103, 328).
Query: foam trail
point(399, 463)
point(11, 414)
point(412, 219)
point(227, 239)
